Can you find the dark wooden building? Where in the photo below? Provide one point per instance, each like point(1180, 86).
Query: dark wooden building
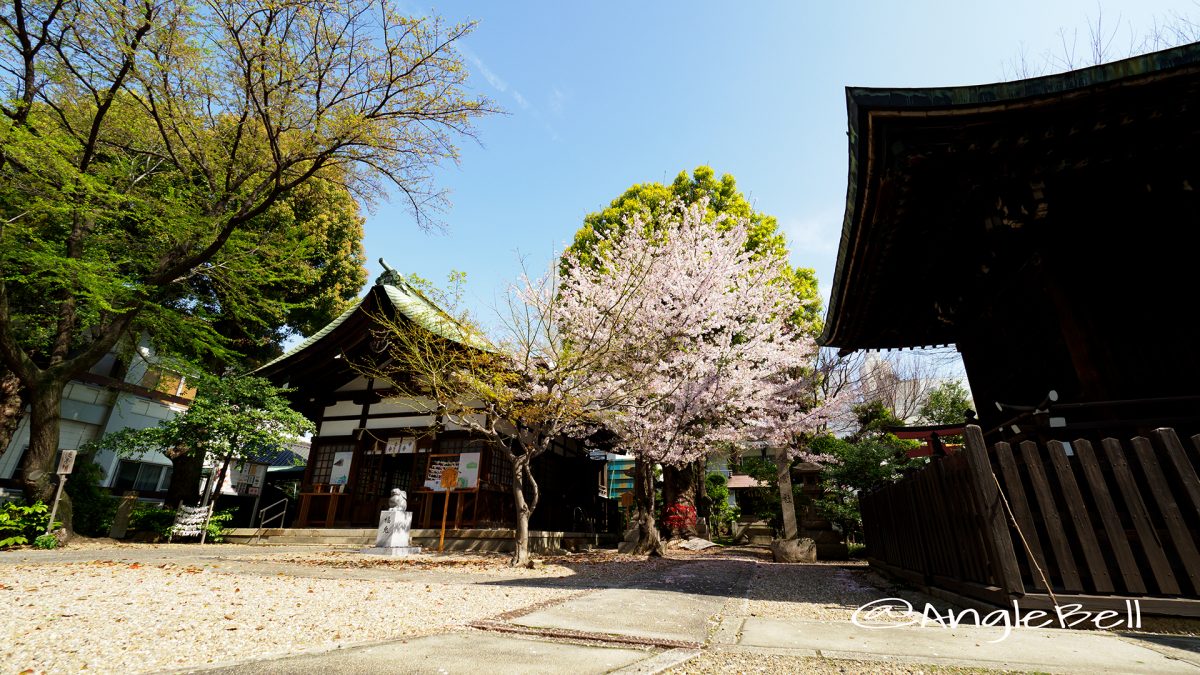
point(1044, 226)
point(369, 442)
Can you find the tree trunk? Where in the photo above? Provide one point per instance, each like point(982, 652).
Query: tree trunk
point(12, 405)
point(45, 402)
point(679, 487)
point(649, 542)
point(186, 470)
point(212, 492)
point(520, 556)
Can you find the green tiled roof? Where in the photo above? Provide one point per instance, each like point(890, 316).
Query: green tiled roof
point(413, 304)
point(314, 338)
point(407, 301)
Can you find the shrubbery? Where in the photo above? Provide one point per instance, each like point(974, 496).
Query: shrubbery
point(93, 508)
point(155, 519)
point(720, 514)
point(21, 523)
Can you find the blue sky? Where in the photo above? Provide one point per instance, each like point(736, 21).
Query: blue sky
point(602, 95)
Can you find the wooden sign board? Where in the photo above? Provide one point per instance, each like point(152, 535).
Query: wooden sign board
point(66, 463)
point(465, 468)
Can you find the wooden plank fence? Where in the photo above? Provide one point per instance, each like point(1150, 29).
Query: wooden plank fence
point(1069, 520)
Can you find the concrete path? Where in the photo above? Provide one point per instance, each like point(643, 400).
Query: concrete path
point(1041, 650)
point(659, 620)
point(464, 652)
point(681, 605)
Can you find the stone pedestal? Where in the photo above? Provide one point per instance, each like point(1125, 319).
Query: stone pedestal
point(794, 550)
point(392, 537)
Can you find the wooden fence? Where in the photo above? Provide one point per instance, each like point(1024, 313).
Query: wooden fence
point(1091, 523)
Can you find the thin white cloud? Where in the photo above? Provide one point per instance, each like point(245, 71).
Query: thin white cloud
point(493, 79)
point(499, 84)
point(557, 101)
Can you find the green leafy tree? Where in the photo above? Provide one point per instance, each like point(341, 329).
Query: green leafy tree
point(720, 513)
point(874, 419)
point(143, 146)
point(293, 282)
point(233, 420)
point(865, 460)
point(947, 403)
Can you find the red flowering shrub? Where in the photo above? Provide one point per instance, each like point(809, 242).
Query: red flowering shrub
point(680, 517)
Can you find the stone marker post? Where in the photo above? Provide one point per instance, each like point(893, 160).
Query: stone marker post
point(786, 501)
point(124, 510)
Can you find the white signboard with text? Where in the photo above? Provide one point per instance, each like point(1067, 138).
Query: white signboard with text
point(467, 465)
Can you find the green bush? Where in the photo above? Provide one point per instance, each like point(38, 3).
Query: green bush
point(46, 541)
point(93, 509)
point(154, 518)
point(21, 523)
point(216, 528)
point(151, 518)
point(721, 514)
point(871, 460)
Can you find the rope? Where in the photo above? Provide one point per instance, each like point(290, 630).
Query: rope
point(1028, 551)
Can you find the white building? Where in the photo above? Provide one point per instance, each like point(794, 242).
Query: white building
point(110, 397)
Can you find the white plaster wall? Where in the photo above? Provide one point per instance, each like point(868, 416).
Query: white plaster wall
point(398, 406)
point(357, 384)
point(395, 422)
point(342, 428)
point(343, 408)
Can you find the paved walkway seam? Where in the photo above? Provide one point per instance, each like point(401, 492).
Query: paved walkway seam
point(659, 663)
point(564, 633)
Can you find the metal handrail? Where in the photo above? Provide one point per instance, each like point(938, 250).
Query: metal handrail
point(585, 519)
point(262, 522)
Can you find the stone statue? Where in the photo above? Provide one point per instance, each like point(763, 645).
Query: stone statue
point(398, 501)
point(394, 534)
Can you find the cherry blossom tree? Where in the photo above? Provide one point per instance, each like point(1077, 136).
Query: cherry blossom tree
point(705, 353)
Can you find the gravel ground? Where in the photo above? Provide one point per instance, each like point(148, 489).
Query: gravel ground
point(108, 615)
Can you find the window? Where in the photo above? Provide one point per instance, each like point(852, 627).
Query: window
point(139, 476)
point(499, 469)
point(322, 460)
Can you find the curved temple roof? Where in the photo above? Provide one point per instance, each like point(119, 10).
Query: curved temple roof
point(885, 124)
point(405, 300)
